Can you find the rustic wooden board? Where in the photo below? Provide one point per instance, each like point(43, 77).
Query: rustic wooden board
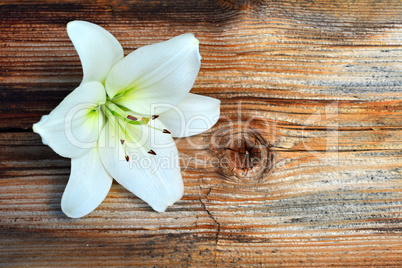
point(313, 88)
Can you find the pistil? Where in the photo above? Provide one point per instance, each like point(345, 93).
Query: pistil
point(121, 121)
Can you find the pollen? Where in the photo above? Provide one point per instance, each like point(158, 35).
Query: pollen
point(132, 117)
point(151, 152)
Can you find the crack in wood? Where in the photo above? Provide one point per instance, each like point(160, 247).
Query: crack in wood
point(218, 225)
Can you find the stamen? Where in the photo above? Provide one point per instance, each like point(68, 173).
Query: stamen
point(152, 152)
point(166, 131)
point(154, 117)
point(132, 117)
point(120, 120)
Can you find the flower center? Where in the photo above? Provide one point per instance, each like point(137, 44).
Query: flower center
point(126, 123)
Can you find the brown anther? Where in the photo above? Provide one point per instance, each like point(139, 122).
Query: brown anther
point(151, 152)
point(122, 141)
point(132, 117)
point(166, 131)
point(127, 158)
point(154, 117)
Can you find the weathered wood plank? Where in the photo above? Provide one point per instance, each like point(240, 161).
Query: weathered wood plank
point(315, 84)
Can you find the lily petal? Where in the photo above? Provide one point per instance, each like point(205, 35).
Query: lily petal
point(36, 126)
point(151, 171)
point(98, 49)
point(73, 127)
point(87, 187)
point(194, 115)
point(159, 73)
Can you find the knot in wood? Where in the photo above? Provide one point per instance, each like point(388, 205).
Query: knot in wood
point(242, 153)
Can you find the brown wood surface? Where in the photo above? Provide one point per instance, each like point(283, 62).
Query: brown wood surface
point(304, 167)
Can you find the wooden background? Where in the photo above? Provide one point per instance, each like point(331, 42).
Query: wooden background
point(304, 168)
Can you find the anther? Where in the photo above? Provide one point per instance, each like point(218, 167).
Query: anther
point(122, 141)
point(127, 158)
point(132, 117)
point(166, 131)
point(151, 152)
point(154, 117)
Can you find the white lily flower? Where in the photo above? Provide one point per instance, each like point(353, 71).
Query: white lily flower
point(120, 121)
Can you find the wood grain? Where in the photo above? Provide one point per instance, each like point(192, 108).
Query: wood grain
point(319, 83)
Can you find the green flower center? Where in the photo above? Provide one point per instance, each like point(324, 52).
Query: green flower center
point(123, 120)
